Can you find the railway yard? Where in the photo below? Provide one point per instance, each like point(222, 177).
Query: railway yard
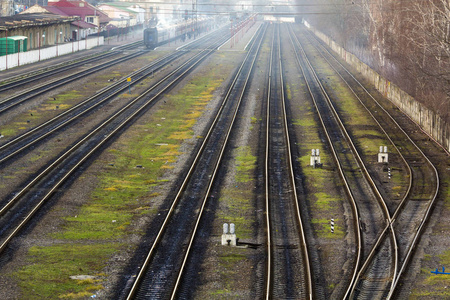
point(118, 171)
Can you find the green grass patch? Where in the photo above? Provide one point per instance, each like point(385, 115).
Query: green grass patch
point(436, 285)
point(29, 119)
point(288, 91)
point(305, 122)
point(47, 276)
point(359, 122)
point(229, 260)
point(323, 228)
point(245, 164)
point(221, 292)
point(8, 131)
point(124, 191)
point(325, 201)
point(446, 185)
point(64, 98)
point(236, 205)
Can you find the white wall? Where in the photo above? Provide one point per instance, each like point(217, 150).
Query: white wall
point(22, 58)
point(430, 122)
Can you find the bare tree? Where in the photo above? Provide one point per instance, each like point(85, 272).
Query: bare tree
point(429, 36)
point(405, 41)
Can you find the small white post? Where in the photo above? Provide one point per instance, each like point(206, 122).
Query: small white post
point(383, 155)
point(229, 237)
point(315, 157)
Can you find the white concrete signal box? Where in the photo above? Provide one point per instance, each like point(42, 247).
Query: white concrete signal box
point(383, 155)
point(228, 236)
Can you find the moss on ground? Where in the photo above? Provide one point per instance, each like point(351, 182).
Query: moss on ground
point(32, 118)
point(236, 204)
point(437, 284)
point(229, 261)
point(63, 101)
point(323, 203)
point(245, 164)
point(47, 274)
point(86, 241)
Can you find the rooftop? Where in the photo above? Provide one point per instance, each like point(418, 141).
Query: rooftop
point(32, 19)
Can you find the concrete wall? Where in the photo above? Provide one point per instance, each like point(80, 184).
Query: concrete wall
point(428, 121)
point(22, 58)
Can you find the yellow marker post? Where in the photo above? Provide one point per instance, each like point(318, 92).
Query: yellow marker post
point(129, 83)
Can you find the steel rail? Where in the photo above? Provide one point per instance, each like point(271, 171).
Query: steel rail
point(369, 179)
point(19, 194)
point(193, 63)
point(219, 160)
point(64, 68)
point(139, 277)
point(19, 98)
point(269, 271)
point(305, 251)
point(47, 86)
point(108, 93)
point(353, 203)
point(393, 144)
point(109, 89)
point(269, 268)
point(402, 203)
point(380, 239)
point(416, 237)
point(60, 67)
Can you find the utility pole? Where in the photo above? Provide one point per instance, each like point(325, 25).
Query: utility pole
point(194, 16)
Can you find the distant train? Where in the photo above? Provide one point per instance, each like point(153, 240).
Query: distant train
point(159, 35)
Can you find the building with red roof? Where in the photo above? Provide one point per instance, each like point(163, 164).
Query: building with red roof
point(91, 18)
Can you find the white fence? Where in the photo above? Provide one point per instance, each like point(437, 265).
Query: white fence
point(22, 58)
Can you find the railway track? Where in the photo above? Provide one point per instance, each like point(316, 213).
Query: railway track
point(369, 207)
point(410, 215)
point(172, 253)
point(386, 227)
point(6, 104)
point(20, 209)
point(288, 264)
point(23, 96)
point(30, 77)
point(12, 148)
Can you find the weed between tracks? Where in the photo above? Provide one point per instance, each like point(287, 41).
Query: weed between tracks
point(360, 124)
point(323, 196)
point(236, 201)
point(366, 134)
point(323, 204)
point(86, 241)
point(434, 286)
point(49, 108)
point(428, 285)
point(246, 163)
